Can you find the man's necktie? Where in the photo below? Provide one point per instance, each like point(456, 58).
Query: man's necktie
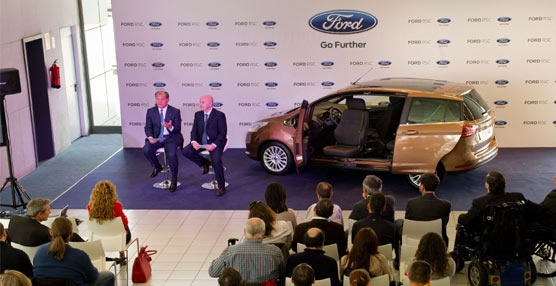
point(204, 139)
point(161, 127)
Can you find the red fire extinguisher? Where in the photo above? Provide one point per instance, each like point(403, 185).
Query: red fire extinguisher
point(55, 76)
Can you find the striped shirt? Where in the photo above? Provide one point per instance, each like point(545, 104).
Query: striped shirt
point(255, 261)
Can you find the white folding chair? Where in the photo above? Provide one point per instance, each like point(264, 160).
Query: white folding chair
point(413, 230)
point(351, 222)
point(441, 282)
point(386, 250)
point(29, 250)
point(330, 250)
point(382, 280)
point(95, 251)
point(407, 253)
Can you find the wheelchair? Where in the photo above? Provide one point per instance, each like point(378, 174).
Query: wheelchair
point(544, 246)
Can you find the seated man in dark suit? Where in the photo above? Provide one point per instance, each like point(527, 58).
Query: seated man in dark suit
point(324, 266)
point(11, 258)
point(163, 129)
point(371, 185)
point(333, 231)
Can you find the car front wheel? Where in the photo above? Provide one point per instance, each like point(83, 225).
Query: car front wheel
point(276, 158)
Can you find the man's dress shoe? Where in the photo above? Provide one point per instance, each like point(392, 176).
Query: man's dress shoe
point(155, 171)
point(173, 184)
point(205, 167)
point(221, 191)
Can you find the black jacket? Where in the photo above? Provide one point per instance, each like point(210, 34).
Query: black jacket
point(27, 231)
point(428, 207)
point(472, 219)
point(14, 259)
point(333, 233)
point(324, 266)
point(360, 210)
point(384, 229)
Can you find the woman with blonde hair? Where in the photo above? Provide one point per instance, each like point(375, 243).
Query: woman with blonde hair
point(58, 259)
point(104, 205)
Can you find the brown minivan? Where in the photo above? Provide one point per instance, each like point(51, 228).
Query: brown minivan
point(399, 125)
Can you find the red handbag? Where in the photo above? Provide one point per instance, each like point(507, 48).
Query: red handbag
point(142, 265)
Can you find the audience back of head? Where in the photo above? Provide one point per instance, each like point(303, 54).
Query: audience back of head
point(14, 278)
point(254, 227)
point(372, 184)
point(430, 182)
point(359, 277)
point(420, 273)
point(303, 275)
point(314, 237)
point(262, 211)
point(377, 203)
point(275, 197)
point(324, 208)
point(433, 250)
point(230, 277)
point(324, 190)
point(496, 183)
point(37, 205)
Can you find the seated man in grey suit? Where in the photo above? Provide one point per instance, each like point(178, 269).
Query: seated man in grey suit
point(373, 184)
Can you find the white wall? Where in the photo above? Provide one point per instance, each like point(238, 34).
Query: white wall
point(20, 19)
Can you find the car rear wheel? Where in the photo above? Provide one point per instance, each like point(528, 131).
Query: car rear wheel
point(414, 179)
point(276, 158)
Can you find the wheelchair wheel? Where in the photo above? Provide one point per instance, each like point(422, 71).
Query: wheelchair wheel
point(458, 258)
point(477, 274)
point(533, 270)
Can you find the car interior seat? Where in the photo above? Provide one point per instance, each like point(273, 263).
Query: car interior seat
point(351, 133)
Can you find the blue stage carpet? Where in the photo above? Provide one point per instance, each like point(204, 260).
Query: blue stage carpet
point(527, 170)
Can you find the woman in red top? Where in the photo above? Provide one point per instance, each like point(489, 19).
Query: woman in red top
point(104, 205)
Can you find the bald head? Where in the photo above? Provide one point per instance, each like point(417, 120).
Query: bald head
point(206, 102)
point(254, 228)
point(314, 238)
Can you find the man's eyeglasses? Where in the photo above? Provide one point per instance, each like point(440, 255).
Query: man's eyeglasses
point(253, 203)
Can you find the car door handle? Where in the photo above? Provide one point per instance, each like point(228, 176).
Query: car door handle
point(410, 132)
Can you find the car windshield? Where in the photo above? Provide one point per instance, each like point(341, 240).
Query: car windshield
point(474, 105)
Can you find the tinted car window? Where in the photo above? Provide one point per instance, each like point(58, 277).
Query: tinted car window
point(426, 110)
point(474, 105)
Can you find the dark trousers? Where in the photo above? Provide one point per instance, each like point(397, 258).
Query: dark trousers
point(170, 147)
point(215, 158)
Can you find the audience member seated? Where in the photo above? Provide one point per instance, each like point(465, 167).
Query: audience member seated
point(303, 275)
point(333, 231)
point(549, 209)
point(373, 184)
point(276, 232)
point(433, 250)
point(257, 262)
point(28, 230)
point(11, 258)
point(364, 254)
point(384, 229)
point(230, 277)
point(59, 260)
point(359, 277)
point(427, 207)
point(14, 278)
point(325, 191)
point(324, 266)
point(419, 274)
point(104, 206)
point(275, 197)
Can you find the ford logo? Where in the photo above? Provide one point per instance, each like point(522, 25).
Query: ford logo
point(270, 44)
point(443, 41)
point(442, 62)
point(215, 84)
point(327, 63)
point(157, 44)
point(343, 22)
point(269, 23)
point(271, 104)
point(327, 83)
point(500, 122)
point(384, 103)
point(554, 122)
point(214, 64)
point(159, 84)
point(502, 61)
point(504, 19)
point(503, 40)
point(155, 24)
point(158, 65)
point(500, 102)
point(213, 44)
point(271, 84)
point(444, 20)
point(217, 104)
point(212, 23)
point(385, 63)
point(501, 82)
point(270, 64)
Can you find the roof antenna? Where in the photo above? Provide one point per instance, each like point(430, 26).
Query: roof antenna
point(355, 82)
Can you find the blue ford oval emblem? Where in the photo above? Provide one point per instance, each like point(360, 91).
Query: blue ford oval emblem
point(270, 44)
point(444, 20)
point(384, 103)
point(500, 122)
point(442, 62)
point(501, 82)
point(503, 40)
point(217, 104)
point(554, 122)
point(215, 84)
point(385, 63)
point(270, 64)
point(157, 44)
point(269, 23)
point(327, 63)
point(504, 19)
point(213, 44)
point(271, 104)
point(343, 22)
point(214, 64)
point(500, 102)
point(443, 41)
point(158, 65)
point(271, 84)
point(327, 83)
point(502, 61)
point(212, 23)
point(159, 84)
point(155, 24)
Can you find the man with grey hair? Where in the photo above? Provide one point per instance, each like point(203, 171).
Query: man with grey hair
point(256, 262)
point(373, 184)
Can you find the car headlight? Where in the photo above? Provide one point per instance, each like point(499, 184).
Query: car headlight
point(257, 125)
